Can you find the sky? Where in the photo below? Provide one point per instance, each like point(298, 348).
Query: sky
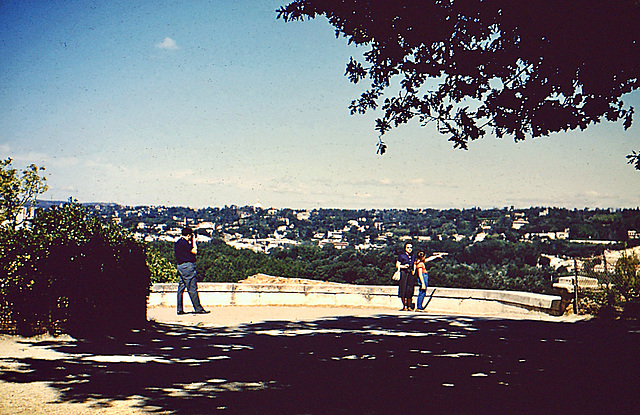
point(217, 103)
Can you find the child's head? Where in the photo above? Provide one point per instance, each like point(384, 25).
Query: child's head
point(420, 255)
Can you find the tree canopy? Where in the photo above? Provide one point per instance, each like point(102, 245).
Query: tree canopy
point(514, 69)
point(18, 191)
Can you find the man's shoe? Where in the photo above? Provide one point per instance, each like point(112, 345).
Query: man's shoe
point(181, 313)
point(203, 312)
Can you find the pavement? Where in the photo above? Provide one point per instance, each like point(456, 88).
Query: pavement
point(237, 315)
point(320, 360)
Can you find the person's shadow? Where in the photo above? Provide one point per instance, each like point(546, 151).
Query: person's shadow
point(376, 365)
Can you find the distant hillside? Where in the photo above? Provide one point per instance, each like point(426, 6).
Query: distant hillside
point(45, 204)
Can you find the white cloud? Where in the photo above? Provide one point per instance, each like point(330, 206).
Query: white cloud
point(167, 44)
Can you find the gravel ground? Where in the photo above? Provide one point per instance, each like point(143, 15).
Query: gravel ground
point(295, 360)
point(38, 397)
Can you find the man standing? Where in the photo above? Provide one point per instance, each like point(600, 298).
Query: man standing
point(185, 252)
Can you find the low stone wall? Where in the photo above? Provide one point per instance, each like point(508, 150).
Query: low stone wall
point(439, 300)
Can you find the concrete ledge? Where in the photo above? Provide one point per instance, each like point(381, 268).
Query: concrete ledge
point(439, 300)
point(584, 284)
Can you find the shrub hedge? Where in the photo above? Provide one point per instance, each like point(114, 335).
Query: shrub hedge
point(71, 272)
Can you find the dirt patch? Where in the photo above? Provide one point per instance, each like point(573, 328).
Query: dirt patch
point(268, 279)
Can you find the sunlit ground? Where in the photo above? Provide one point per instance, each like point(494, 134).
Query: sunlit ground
point(342, 364)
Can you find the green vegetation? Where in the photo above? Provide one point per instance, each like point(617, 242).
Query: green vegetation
point(70, 267)
point(18, 192)
point(627, 271)
point(64, 269)
point(491, 264)
point(71, 272)
point(160, 267)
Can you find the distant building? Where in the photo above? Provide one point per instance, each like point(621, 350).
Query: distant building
point(519, 223)
point(457, 237)
point(25, 214)
point(336, 244)
point(206, 226)
point(548, 235)
point(480, 237)
point(168, 238)
point(304, 215)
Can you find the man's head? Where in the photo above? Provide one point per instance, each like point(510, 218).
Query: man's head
point(408, 247)
point(187, 231)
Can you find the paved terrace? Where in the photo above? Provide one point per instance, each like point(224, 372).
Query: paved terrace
point(327, 360)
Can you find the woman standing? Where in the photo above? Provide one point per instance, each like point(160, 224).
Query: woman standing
point(407, 280)
point(423, 277)
point(423, 280)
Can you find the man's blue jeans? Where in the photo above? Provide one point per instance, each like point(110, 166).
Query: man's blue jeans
point(187, 280)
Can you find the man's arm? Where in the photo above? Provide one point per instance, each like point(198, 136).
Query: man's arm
point(194, 245)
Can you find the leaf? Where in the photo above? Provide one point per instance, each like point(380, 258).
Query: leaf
point(634, 159)
point(490, 55)
point(628, 118)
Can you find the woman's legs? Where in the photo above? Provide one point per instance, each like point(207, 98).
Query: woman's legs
point(421, 295)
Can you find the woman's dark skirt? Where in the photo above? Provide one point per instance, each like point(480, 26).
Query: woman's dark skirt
point(406, 284)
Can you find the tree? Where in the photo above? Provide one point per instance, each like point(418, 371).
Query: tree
point(516, 69)
point(18, 191)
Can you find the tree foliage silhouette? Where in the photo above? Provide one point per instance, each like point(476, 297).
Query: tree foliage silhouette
point(514, 69)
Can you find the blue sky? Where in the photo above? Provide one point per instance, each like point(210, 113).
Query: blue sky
point(214, 103)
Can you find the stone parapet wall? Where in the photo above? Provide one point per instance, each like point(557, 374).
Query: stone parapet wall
point(439, 300)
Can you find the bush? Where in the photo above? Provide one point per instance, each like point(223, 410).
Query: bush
point(627, 276)
point(71, 272)
point(491, 277)
point(160, 268)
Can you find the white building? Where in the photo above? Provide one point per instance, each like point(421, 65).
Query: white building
point(304, 215)
point(519, 223)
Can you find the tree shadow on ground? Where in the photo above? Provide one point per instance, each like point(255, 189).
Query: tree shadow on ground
point(360, 365)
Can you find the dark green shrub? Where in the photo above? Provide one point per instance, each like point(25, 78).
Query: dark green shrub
point(72, 272)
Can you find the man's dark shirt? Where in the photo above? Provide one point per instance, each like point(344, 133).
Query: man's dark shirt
point(182, 250)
